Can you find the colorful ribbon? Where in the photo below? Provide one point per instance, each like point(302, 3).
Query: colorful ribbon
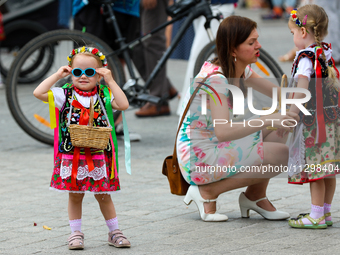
point(51, 106)
point(54, 124)
point(336, 72)
point(56, 134)
point(337, 76)
point(84, 114)
point(114, 171)
point(75, 162)
point(321, 128)
point(127, 145)
point(83, 120)
point(108, 108)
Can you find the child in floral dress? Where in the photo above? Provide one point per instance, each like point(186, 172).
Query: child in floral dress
point(85, 170)
point(314, 150)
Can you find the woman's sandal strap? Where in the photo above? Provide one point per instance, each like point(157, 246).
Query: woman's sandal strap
point(208, 200)
point(258, 200)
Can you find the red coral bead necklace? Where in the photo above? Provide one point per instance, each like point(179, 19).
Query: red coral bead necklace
point(84, 93)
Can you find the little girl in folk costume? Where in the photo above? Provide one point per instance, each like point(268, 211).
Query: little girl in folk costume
point(315, 146)
point(79, 170)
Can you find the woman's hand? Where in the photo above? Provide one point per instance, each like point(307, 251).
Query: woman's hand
point(284, 123)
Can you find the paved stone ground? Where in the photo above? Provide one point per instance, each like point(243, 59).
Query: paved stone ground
point(155, 221)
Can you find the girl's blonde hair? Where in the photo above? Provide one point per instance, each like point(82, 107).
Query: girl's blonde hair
point(317, 24)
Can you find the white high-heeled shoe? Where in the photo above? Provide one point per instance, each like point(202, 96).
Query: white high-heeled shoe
point(193, 194)
point(246, 205)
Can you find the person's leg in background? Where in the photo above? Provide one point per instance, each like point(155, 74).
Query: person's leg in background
point(2, 37)
point(64, 13)
point(137, 53)
point(201, 39)
point(2, 85)
point(289, 6)
point(130, 28)
point(154, 48)
point(91, 19)
point(277, 12)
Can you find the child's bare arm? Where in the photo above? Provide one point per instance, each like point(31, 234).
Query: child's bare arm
point(302, 83)
point(120, 101)
point(41, 91)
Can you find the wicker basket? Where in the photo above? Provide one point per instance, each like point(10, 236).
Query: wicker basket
point(89, 136)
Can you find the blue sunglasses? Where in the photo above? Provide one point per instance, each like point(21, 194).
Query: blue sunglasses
point(89, 72)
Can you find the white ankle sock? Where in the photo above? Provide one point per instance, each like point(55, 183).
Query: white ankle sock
point(327, 209)
point(75, 225)
point(316, 212)
point(112, 224)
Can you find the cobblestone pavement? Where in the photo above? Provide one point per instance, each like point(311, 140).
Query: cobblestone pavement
point(155, 221)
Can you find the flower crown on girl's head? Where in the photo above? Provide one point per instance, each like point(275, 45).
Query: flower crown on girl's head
point(296, 19)
point(92, 50)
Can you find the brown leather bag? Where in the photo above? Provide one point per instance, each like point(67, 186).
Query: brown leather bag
point(178, 185)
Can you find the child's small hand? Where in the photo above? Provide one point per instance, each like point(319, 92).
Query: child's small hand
point(64, 71)
point(105, 73)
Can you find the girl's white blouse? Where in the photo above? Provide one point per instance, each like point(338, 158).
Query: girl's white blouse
point(59, 98)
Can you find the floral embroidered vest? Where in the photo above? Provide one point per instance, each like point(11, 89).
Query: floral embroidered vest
point(65, 144)
point(330, 95)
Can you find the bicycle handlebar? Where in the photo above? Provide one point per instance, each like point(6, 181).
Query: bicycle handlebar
point(192, 9)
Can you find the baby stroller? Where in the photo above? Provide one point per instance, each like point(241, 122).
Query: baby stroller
point(22, 21)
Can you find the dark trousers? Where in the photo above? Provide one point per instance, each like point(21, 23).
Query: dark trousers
point(155, 46)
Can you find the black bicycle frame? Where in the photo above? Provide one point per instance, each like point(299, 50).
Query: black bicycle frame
point(200, 9)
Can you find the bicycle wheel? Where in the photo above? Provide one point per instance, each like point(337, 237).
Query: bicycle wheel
point(18, 33)
point(30, 113)
point(265, 67)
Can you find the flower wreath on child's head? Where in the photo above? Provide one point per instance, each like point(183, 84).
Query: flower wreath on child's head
point(92, 50)
point(296, 19)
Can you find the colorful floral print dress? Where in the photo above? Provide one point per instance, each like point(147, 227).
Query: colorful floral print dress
point(201, 157)
point(310, 160)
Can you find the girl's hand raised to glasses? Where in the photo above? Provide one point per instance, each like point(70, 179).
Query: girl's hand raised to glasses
point(64, 71)
point(105, 73)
